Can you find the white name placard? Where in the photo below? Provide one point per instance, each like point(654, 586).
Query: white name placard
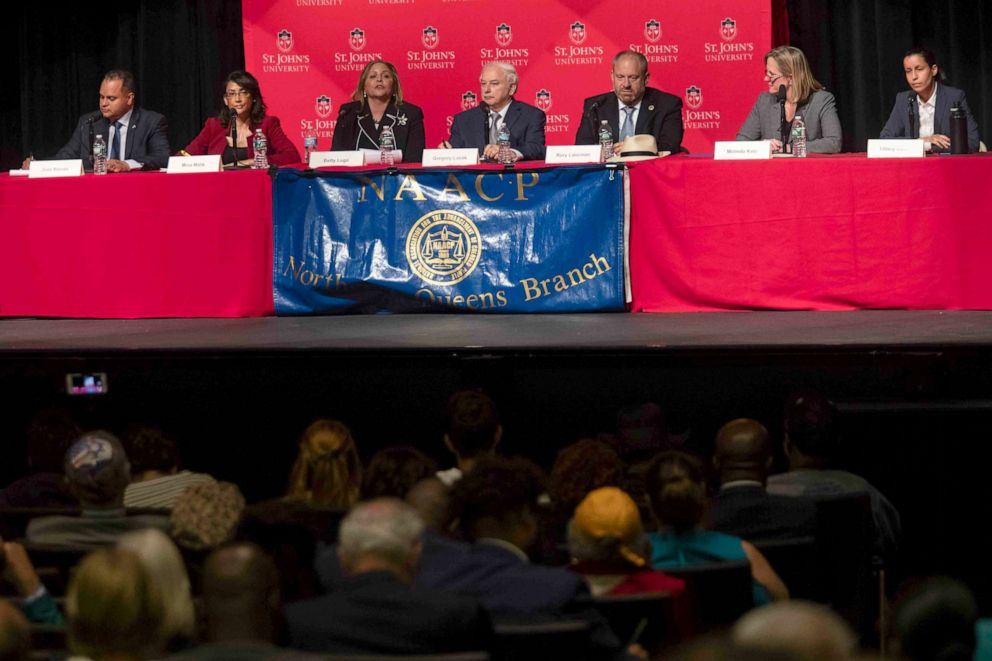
point(45, 169)
point(449, 157)
point(345, 159)
point(899, 148)
point(572, 154)
point(186, 164)
point(743, 150)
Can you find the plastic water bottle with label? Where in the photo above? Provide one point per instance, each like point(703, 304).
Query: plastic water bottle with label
point(261, 148)
point(505, 154)
point(799, 137)
point(605, 141)
point(99, 155)
point(309, 144)
point(387, 143)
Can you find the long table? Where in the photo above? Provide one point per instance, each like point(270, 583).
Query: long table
point(822, 233)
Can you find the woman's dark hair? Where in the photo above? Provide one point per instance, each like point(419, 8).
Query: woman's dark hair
point(676, 488)
point(393, 471)
point(928, 57)
point(249, 83)
point(580, 468)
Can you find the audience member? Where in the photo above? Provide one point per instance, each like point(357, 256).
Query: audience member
point(792, 631)
point(156, 481)
point(676, 488)
point(742, 507)
point(377, 609)
point(36, 602)
point(472, 432)
point(327, 472)
point(97, 472)
point(15, 635)
point(206, 515)
point(432, 501)
point(393, 471)
point(936, 620)
point(50, 433)
point(810, 441)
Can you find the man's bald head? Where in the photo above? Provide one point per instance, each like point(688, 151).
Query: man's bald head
point(240, 592)
point(743, 451)
point(794, 630)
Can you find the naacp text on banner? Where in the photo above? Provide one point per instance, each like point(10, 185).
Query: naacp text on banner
point(572, 154)
point(898, 148)
point(331, 159)
point(744, 150)
point(187, 164)
point(449, 157)
point(72, 167)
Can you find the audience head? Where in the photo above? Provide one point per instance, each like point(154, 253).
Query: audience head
point(810, 429)
point(499, 499)
point(607, 530)
point(787, 65)
point(743, 451)
point(676, 488)
point(97, 470)
point(381, 535)
point(241, 596)
point(114, 609)
point(150, 452)
point(432, 501)
point(243, 95)
point(473, 429)
point(15, 633)
point(166, 570)
point(206, 515)
point(393, 471)
point(793, 631)
point(936, 621)
point(327, 472)
point(49, 435)
point(580, 468)
point(641, 429)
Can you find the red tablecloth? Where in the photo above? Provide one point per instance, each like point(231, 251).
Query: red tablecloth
point(822, 233)
point(137, 245)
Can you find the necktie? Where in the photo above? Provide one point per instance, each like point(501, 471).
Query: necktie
point(627, 129)
point(115, 145)
point(494, 130)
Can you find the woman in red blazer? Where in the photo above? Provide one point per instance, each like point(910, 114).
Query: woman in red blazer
point(243, 101)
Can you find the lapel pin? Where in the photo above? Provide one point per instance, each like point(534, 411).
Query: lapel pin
point(650, 107)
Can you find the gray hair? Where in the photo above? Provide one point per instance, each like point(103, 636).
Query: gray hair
point(586, 548)
point(386, 528)
point(510, 70)
point(643, 61)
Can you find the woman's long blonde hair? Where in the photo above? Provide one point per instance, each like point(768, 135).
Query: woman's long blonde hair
point(327, 472)
point(791, 62)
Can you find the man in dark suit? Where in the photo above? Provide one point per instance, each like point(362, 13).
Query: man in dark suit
point(632, 108)
point(136, 138)
point(479, 126)
point(376, 609)
point(742, 507)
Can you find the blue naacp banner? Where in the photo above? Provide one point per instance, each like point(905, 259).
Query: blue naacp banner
point(529, 240)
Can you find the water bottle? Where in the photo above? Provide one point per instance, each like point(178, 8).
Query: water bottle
point(605, 141)
point(505, 154)
point(959, 131)
point(387, 142)
point(261, 147)
point(99, 155)
point(799, 137)
point(309, 144)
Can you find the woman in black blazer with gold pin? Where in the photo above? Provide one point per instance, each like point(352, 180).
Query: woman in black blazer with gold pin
point(378, 102)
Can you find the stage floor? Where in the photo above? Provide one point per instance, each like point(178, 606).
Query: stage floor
point(760, 331)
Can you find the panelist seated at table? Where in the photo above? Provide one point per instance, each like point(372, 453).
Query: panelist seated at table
point(479, 127)
point(786, 67)
point(377, 103)
point(245, 107)
point(632, 108)
point(136, 138)
point(924, 110)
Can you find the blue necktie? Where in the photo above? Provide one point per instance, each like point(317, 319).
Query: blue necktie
point(115, 146)
point(627, 129)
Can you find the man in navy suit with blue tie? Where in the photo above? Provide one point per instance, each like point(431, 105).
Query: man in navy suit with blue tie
point(479, 126)
point(136, 138)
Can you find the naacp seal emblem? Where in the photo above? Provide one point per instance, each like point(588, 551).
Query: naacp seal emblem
point(443, 247)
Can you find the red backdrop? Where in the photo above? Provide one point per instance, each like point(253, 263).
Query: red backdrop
point(308, 55)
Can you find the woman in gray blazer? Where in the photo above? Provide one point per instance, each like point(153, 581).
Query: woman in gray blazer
point(786, 67)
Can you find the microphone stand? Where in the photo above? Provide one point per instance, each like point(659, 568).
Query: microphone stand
point(486, 112)
point(783, 124)
point(912, 118)
point(593, 115)
point(234, 138)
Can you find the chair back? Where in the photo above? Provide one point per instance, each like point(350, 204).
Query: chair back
point(718, 592)
point(795, 561)
point(648, 619)
point(560, 639)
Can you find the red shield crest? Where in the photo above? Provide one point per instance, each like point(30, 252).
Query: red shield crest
point(652, 30)
point(577, 32)
point(356, 39)
point(728, 29)
point(429, 37)
point(284, 40)
point(504, 34)
point(543, 99)
point(323, 106)
point(469, 100)
point(693, 97)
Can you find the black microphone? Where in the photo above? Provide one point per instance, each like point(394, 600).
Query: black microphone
point(486, 112)
point(912, 117)
point(234, 136)
point(92, 117)
point(784, 125)
point(593, 116)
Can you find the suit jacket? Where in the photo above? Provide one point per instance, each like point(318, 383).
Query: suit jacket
point(376, 613)
point(147, 139)
point(749, 512)
point(356, 130)
point(213, 140)
point(823, 133)
point(660, 115)
point(526, 124)
point(947, 97)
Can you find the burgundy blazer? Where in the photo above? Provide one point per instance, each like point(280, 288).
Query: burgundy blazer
point(213, 140)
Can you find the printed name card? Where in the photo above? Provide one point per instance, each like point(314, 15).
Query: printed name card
point(448, 157)
point(72, 167)
point(572, 154)
point(899, 148)
point(339, 159)
point(744, 150)
point(185, 164)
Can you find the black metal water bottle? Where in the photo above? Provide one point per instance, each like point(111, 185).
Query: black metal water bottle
point(959, 131)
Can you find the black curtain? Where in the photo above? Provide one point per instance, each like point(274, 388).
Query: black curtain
point(179, 50)
point(856, 49)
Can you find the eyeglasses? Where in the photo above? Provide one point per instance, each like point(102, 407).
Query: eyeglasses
point(237, 93)
point(772, 77)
